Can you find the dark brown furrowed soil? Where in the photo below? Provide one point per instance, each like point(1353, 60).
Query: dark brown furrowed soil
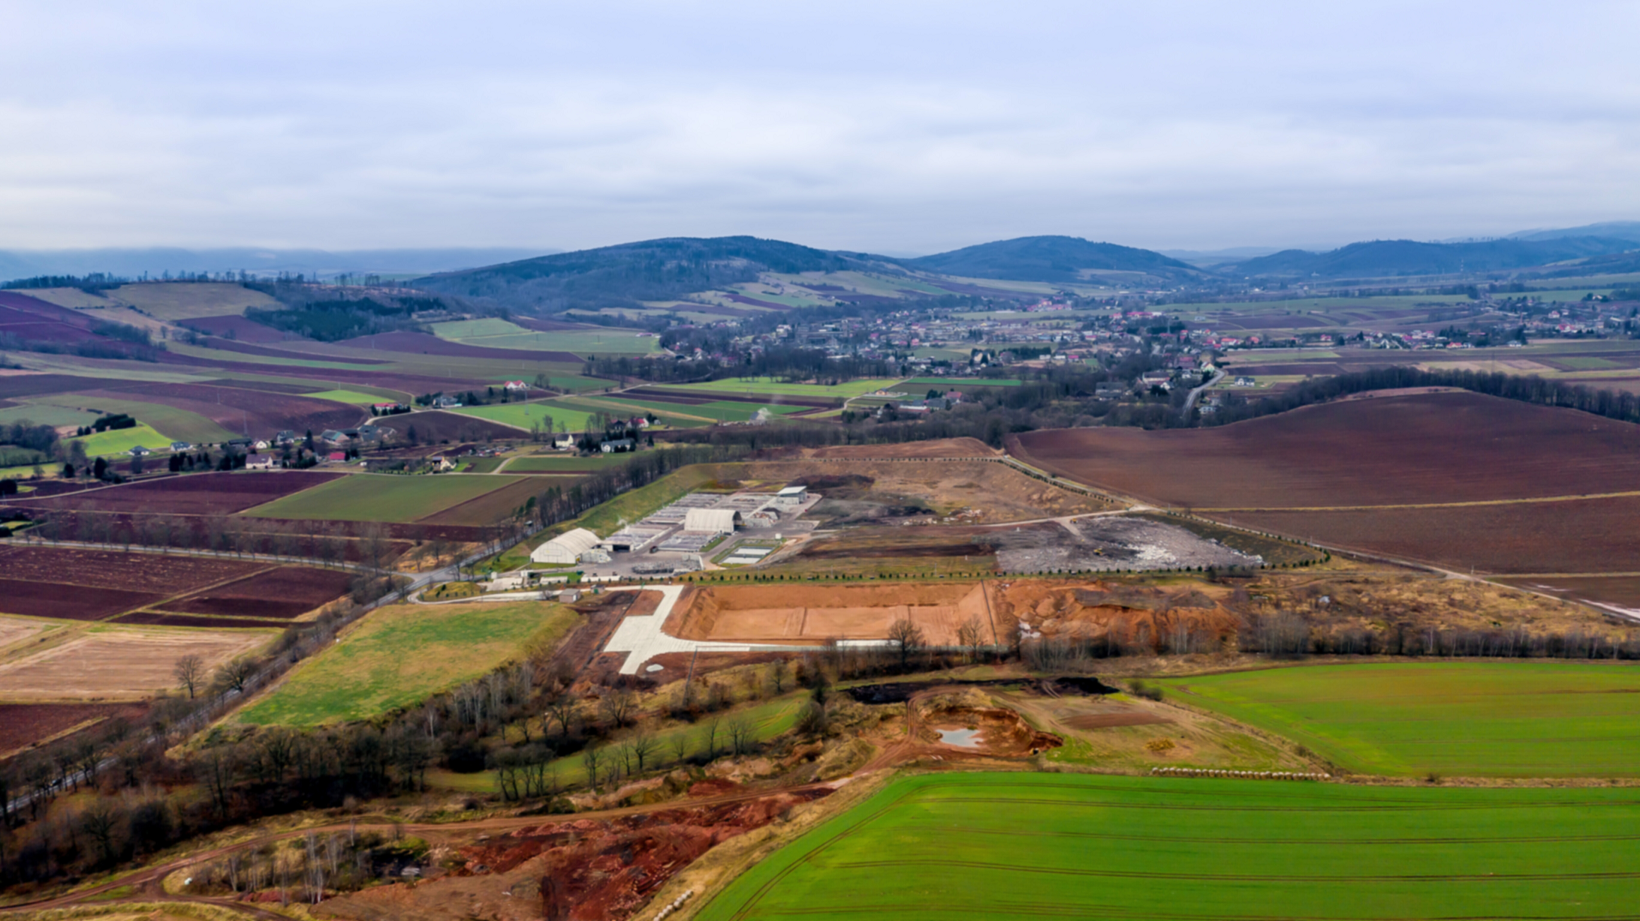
point(1442, 447)
point(194, 494)
point(23, 725)
point(281, 594)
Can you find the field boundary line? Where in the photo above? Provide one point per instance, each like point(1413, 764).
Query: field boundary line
point(1414, 505)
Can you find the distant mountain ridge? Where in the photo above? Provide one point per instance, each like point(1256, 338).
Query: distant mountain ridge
point(158, 260)
point(1051, 258)
point(1380, 258)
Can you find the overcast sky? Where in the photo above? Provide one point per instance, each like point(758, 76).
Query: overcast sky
point(890, 127)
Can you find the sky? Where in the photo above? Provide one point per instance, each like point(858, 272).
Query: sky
point(901, 128)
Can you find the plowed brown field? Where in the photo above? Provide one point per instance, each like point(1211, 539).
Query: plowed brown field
point(283, 593)
point(194, 494)
point(1442, 447)
point(23, 725)
point(118, 663)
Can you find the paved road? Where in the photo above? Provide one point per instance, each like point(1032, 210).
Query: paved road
point(1190, 401)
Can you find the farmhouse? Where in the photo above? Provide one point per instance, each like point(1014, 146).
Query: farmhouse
point(516, 386)
point(260, 462)
point(140, 451)
point(334, 437)
point(563, 442)
point(618, 445)
point(565, 548)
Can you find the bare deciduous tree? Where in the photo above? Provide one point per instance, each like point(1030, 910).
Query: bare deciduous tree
point(190, 673)
point(969, 634)
point(907, 640)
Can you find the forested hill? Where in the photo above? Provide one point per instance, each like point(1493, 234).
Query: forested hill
point(1051, 258)
point(651, 270)
point(1407, 257)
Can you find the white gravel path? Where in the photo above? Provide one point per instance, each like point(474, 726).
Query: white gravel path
point(642, 638)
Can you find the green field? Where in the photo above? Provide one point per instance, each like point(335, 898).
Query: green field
point(526, 415)
point(1501, 719)
point(956, 383)
point(119, 441)
point(43, 414)
point(379, 497)
point(537, 463)
point(501, 334)
point(405, 653)
point(350, 396)
point(1006, 846)
point(175, 424)
point(761, 385)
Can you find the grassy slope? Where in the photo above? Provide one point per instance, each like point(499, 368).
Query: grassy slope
point(524, 415)
point(353, 397)
point(1509, 719)
point(384, 497)
point(501, 334)
point(175, 424)
point(119, 441)
point(763, 385)
point(1004, 846)
point(403, 654)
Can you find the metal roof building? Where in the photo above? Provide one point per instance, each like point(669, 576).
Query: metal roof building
point(565, 548)
point(712, 520)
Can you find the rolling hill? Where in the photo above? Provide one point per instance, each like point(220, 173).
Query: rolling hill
point(1408, 257)
point(1052, 258)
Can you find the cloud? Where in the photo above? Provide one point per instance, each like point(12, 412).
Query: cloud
point(906, 127)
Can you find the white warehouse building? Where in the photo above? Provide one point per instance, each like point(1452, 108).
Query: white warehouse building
point(565, 548)
point(711, 520)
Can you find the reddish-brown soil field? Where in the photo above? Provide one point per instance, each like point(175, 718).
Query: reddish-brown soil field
point(68, 602)
point(23, 725)
point(235, 327)
point(940, 447)
point(234, 409)
point(1622, 591)
point(283, 593)
point(492, 506)
point(1581, 536)
point(1444, 447)
point(28, 385)
point(195, 494)
point(110, 569)
point(157, 619)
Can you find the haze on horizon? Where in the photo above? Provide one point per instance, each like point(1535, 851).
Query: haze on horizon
point(904, 128)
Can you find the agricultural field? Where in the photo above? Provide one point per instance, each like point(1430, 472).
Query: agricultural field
point(547, 463)
point(400, 655)
point(192, 494)
point(44, 414)
point(277, 593)
point(1399, 450)
point(85, 585)
point(121, 441)
point(119, 663)
point(1475, 719)
point(380, 497)
point(1035, 845)
point(763, 386)
point(352, 397)
point(544, 413)
point(492, 506)
point(502, 334)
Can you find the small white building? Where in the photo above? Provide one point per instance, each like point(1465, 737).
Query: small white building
point(565, 548)
point(260, 462)
point(792, 495)
point(711, 520)
point(563, 442)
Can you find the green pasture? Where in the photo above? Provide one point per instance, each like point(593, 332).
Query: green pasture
point(119, 441)
point(674, 414)
point(173, 423)
point(762, 385)
point(769, 720)
point(957, 383)
point(1030, 846)
point(403, 654)
point(1587, 363)
point(45, 414)
point(544, 463)
point(1497, 719)
point(528, 415)
point(351, 396)
point(379, 497)
point(502, 334)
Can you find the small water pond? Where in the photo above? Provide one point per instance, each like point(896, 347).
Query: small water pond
point(962, 738)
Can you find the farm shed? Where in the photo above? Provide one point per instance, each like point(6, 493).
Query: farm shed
point(792, 495)
point(565, 548)
point(711, 520)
